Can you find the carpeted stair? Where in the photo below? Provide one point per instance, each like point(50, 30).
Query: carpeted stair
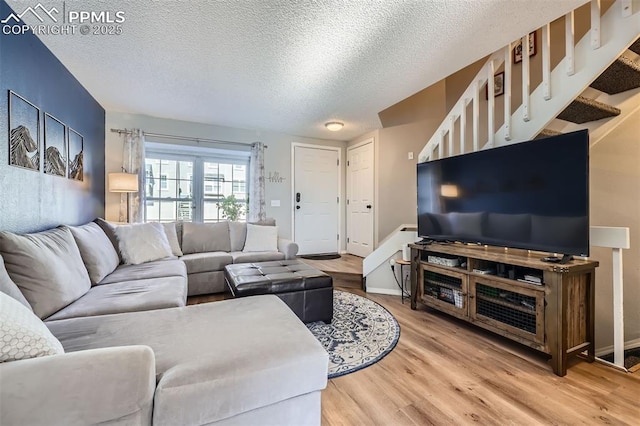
point(545, 133)
point(635, 47)
point(622, 75)
point(584, 110)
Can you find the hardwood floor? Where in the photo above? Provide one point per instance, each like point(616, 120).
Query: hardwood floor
point(347, 263)
point(346, 271)
point(444, 371)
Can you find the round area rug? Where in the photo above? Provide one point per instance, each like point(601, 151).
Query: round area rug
point(362, 333)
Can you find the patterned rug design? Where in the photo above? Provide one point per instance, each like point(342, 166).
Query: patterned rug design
point(362, 333)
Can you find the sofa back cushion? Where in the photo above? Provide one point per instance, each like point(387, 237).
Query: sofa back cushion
point(205, 237)
point(110, 231)
point(23, 335)
point(142, 242)
point(237, 235)
point(47, 267)
point(171, 230)
point(8, 287)
point(97, 251)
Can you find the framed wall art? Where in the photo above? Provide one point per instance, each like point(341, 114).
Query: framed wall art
point(76, 155)
point(498, 86)
point(24, 133)
point(517, 50)
point(55, 146)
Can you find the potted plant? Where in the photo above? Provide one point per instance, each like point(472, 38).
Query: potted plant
point(231, 208)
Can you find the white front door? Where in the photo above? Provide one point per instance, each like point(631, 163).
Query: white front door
point(315, 199)
point(360, 190)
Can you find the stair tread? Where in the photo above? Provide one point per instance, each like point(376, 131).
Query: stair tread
point(584, 110)
point(635, 47)
point(545, 133)
point(622, 75)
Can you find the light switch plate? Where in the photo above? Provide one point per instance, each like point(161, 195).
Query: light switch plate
point(275, 203)
point(410, 156)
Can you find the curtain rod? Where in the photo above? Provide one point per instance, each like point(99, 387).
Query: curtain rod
point(185, 138)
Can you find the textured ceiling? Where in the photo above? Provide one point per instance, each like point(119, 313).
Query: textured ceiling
point(286, 66)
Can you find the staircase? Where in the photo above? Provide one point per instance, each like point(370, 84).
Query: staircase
point(591, 86)
point(595, 86)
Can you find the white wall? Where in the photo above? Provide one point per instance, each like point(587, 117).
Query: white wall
point(277, 156)
point(615, 201)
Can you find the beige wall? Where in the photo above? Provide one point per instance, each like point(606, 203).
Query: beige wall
point(277, 157)
point(426, 104)
point(615, 201)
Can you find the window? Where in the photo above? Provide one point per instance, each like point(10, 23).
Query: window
point(188, 186)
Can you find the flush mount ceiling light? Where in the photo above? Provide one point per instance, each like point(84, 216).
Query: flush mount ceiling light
point(334, 126)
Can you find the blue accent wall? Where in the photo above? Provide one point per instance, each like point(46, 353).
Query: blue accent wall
point(30, 200)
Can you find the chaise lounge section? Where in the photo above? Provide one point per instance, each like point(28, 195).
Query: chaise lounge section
point(134, 354)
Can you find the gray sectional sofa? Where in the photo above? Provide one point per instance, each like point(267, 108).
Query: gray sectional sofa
point(135, 354)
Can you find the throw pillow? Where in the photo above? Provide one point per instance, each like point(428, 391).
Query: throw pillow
point(96, 250)
point(172, 236)
point(23, 335)
point(238, 232)
point(47, 267)
point(205, 237)
point(142, 242)
point(8, 287)
point(261, 238)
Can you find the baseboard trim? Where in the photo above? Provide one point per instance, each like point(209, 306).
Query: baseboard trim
point(631, 344)
point(387, 291)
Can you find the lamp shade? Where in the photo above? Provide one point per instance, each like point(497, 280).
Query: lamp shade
point(123, 182)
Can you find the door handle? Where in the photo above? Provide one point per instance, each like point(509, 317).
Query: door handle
point(297, 207)
point(297, 197)
point(368, 206)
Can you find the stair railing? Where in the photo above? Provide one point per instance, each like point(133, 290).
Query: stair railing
point(522, 122)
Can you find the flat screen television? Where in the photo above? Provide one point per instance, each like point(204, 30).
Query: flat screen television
point(531, 195)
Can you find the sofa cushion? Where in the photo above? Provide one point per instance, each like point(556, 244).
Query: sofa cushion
point(157, 269)
point(205, 237)
point(110, 231)
point(47, 267)
point(213, 360)
point(172, 236)
point(237, 234)
point(22, 334)
point(261, 238)
point(96, 250)
point(8, 287)
point(127, 296)
point(206, 262)
point(256, 256)
point(142, 242)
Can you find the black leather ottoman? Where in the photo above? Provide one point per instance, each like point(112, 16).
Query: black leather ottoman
point(306, 290)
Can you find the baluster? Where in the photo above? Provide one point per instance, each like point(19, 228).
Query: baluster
point(569, 26)
point(441, 145)
point(452, 126)
point(595, 24)
point(526, 81)
point(476, 116)
point(546, 62)
point(506, 84)
point(463, 125)
point(491, 109)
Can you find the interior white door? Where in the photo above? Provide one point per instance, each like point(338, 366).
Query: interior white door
point(316, 203)
point(360, 182)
